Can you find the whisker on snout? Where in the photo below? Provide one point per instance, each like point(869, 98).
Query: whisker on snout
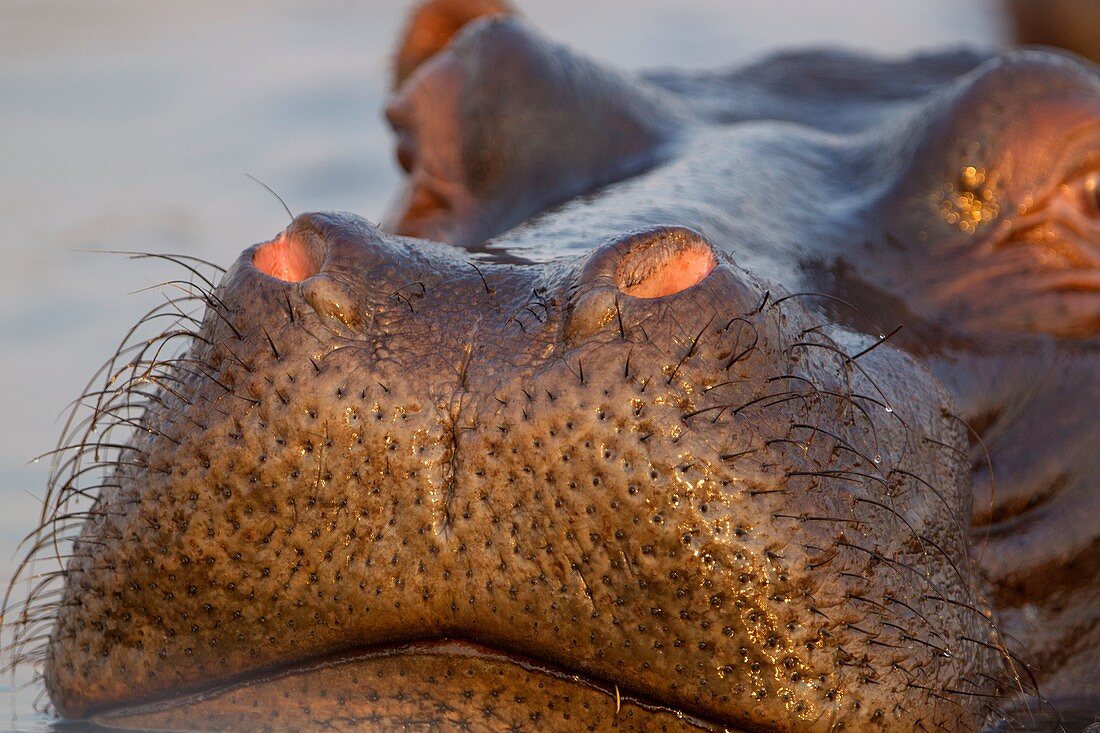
point(131, 382)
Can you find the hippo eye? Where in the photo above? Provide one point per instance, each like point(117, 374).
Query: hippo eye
point(1091, 192)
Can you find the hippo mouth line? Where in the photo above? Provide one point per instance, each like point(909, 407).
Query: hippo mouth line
point(442, 680)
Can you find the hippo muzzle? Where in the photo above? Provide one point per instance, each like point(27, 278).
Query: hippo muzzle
point(684, 423)
point(388, 444)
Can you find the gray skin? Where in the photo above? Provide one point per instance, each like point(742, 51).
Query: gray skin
point(534, 476)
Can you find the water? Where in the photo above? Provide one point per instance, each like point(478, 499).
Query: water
point(129, 125)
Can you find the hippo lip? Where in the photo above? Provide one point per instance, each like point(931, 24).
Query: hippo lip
point(456, 650)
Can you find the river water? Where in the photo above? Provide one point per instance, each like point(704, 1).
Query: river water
point(131, 125)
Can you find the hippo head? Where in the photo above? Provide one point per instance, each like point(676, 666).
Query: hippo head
point(688, 418)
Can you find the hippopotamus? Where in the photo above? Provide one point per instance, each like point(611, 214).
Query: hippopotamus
point(754, 400)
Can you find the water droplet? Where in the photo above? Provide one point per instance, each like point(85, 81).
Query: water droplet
point(878, 458)
point(889, 408)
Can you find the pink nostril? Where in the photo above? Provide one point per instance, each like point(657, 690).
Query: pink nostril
point(676, 271)
point(286, 257)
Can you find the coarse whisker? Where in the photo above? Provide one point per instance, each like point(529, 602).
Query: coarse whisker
point(50, 532)
point(221, 310)
point(126, 409)
point(138, 427)
point(139, 371)
point(125, 345)
point(871, 325)
point(110, 403)
point(199, 373)
point(1012, 660)
point(27, 639)
point(78, 470)
point(882, 400)
point(691, 349)
point(55, 596)
point(890, 561)
point(271, 191)
point(928, 624)
point(908, 525)
point(188, 290)
point(839, 441)
point(746, 351)
point(926, 540)
point(174, 305)
point(115, 399)
point(59, 494)
point(971, 431)
point(165, 337)
point(963, 529)
point(783, 396)
point(53, 523)
point(82, 446)
point(44, 588)
point(248, 368)
point(851, 398)
point(881, 340)
point(856, 477)
point(176, 259)
point(70, 516)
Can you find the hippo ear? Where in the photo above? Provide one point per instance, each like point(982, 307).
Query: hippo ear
point(502, 124)
point(431, 26)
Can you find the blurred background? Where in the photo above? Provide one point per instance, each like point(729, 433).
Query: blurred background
point(130, 125)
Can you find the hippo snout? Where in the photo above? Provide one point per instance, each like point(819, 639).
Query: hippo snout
point(382, 450)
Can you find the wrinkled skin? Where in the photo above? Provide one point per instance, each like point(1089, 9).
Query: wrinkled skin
point(637, 441)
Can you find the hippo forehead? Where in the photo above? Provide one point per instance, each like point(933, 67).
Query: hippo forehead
point(718, 491)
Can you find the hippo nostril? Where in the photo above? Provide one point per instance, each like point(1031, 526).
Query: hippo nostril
point(665, 265)
point(287, 257)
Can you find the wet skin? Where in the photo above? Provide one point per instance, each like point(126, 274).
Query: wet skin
point(759, 400)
